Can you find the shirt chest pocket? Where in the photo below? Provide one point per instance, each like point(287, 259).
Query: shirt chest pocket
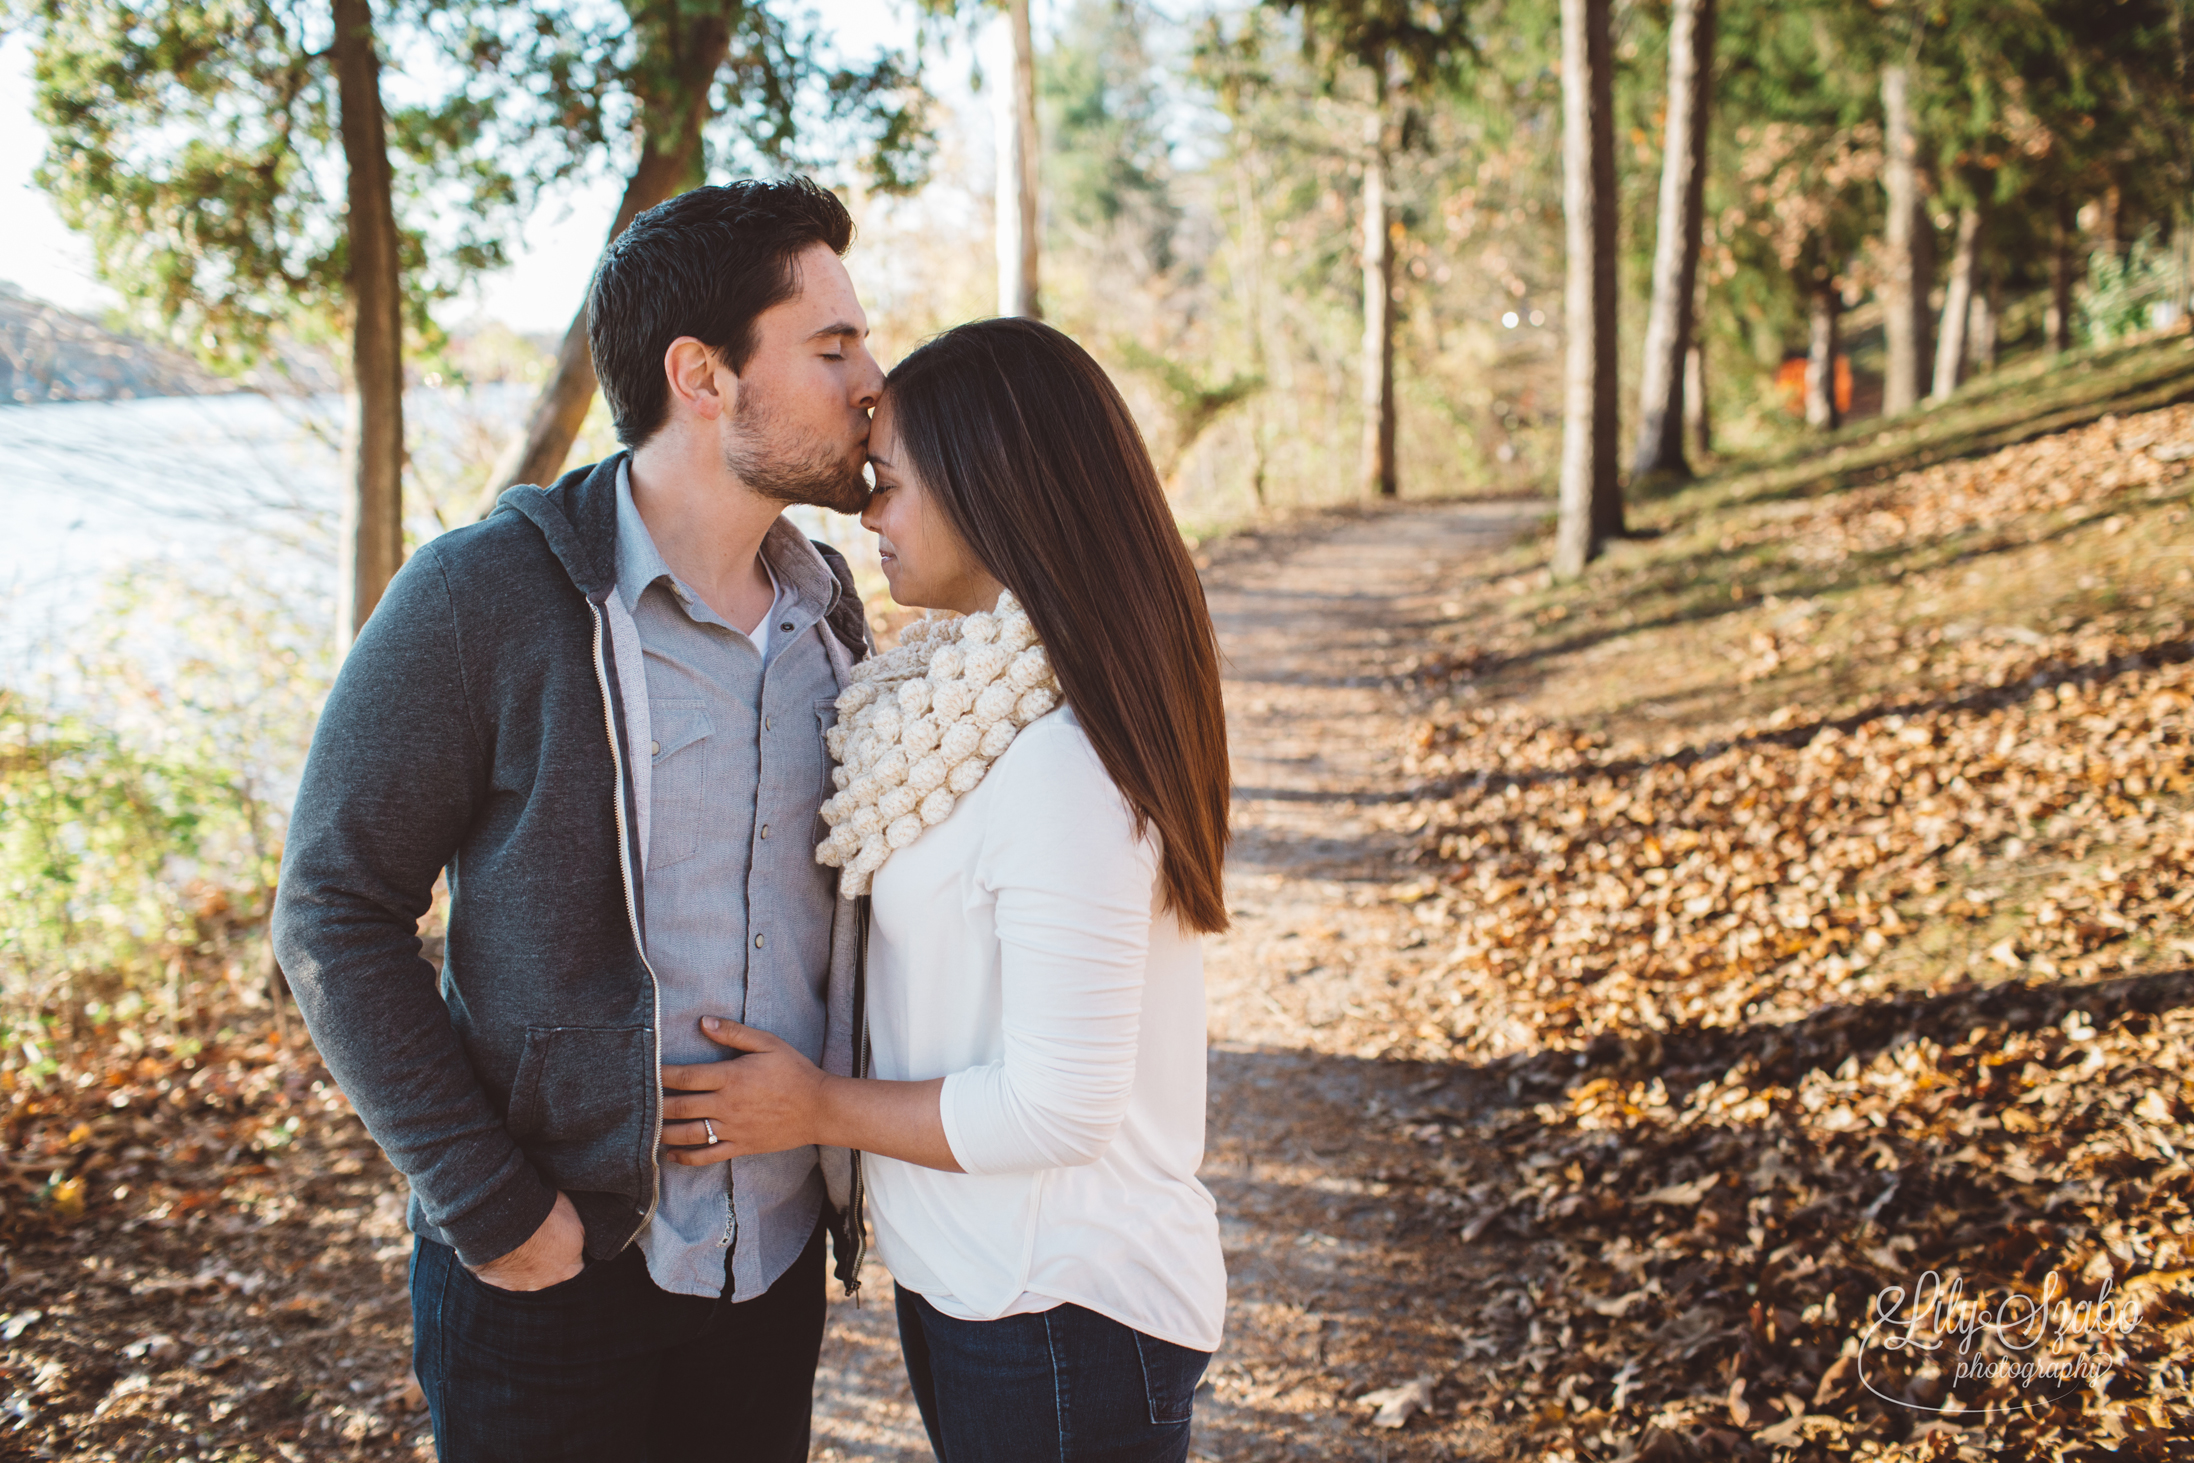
point(680, 776)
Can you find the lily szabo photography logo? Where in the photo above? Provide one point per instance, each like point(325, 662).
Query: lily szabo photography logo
point(1935, 1347)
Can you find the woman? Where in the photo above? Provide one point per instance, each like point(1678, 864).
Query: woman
point(1033, 793)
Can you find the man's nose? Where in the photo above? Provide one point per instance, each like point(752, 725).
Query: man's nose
point(869, 384)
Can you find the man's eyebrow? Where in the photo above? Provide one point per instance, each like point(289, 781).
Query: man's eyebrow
point(840, 327)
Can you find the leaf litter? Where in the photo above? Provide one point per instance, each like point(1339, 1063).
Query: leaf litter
point(1833, 1068)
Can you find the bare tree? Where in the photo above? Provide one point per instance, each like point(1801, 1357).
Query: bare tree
point(371, 545)
point(2057, 324)
point(1985, 323)
point(1018, 151)
point(1591, 498)
point(1907, 247)
point(1825, 312)
point(1950, 341)
point(1669, 320)
point(1698, 419)
point(1379, 474)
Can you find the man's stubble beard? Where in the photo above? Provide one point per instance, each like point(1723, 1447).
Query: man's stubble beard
point(800, 472)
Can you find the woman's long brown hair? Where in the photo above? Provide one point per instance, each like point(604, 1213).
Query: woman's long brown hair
point(1025, 444)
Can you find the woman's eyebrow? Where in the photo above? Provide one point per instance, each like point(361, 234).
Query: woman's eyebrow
point(879, 461)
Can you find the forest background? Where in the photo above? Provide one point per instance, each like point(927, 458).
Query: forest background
point(1334, 251)
point(1212, 185)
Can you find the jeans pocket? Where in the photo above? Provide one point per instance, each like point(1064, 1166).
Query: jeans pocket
point(548, 1295)
point(1170, 1375)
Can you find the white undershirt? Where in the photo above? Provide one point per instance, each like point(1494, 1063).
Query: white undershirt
point(765, 626)
point(1020, 951)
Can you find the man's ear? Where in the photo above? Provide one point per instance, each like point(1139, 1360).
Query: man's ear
point(699, 379)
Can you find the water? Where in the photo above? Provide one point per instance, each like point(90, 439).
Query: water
point(197, 486)
point(207, 489)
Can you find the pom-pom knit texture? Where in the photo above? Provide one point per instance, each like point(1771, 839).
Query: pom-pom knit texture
point(919, 727)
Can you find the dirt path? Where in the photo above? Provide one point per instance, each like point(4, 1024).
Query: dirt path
point(1334, 1289)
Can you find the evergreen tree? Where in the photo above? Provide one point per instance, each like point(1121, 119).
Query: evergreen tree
point(1394, 50)
point(241, 180)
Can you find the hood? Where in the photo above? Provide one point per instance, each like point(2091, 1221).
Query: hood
point(578, 517)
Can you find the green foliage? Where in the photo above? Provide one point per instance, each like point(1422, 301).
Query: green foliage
point(140, 798)
point(92, 834)
point(1420, 41)
point(1108, 169)
point(1192, 403)
point(196, 143)
point(2121, 290)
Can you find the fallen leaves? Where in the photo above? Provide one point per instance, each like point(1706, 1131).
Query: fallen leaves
point(2065, 472)
point(192, 1256)
point(1781, 1031)
point(1396, 1405)
point(1602, 888)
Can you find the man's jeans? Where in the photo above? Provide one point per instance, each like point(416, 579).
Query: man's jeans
point(1064, 1385)
point(607, 1366)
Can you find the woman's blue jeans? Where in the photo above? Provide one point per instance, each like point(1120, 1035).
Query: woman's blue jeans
point(1060, 1386)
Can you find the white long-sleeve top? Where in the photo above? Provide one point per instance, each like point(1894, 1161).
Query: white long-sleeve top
point(1020, 950)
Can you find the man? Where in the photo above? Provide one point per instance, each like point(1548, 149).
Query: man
point(601, 710)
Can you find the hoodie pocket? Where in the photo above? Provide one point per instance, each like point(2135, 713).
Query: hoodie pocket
point(678, 781)
point(579, 1105)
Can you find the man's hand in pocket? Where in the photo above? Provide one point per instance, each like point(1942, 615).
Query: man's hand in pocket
point(556, 1252)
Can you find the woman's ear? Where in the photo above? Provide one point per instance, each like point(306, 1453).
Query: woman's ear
point(698, 378)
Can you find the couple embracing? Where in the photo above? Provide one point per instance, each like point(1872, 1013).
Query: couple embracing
point(757, 939)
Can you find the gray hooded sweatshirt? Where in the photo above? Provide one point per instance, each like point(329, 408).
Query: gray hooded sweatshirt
point(480, 725)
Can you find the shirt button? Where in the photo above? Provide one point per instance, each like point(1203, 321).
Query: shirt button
point(765, 723)
point(757, 942)
point(655, 749)
point(765, 830)
point(786, 627)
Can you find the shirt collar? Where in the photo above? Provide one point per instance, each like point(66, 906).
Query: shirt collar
point(791, 560)
point(639, 562)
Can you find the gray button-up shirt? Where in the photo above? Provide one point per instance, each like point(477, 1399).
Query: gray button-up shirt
point(738, 913)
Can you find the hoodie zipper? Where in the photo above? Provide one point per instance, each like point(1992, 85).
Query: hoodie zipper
point(632, 918)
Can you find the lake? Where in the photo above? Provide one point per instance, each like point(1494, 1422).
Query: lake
point(210, 488)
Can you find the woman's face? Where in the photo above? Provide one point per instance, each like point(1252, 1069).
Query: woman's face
point(927, 563)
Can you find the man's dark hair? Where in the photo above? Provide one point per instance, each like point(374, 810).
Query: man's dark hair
point(703, 264)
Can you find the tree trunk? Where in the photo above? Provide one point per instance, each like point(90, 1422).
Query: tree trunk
point(670, 155)
point(2057, 326)
point(1985, 322)
point(1904, 296)
point(1378, 474)
point(1821, 407)
point(1698, 419)
point(1591, 500)
point(371, 547)
point(1950, 342)
point(1017, 174)
point(1676, 241)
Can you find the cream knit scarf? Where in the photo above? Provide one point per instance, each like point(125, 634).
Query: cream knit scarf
point(919, 727)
